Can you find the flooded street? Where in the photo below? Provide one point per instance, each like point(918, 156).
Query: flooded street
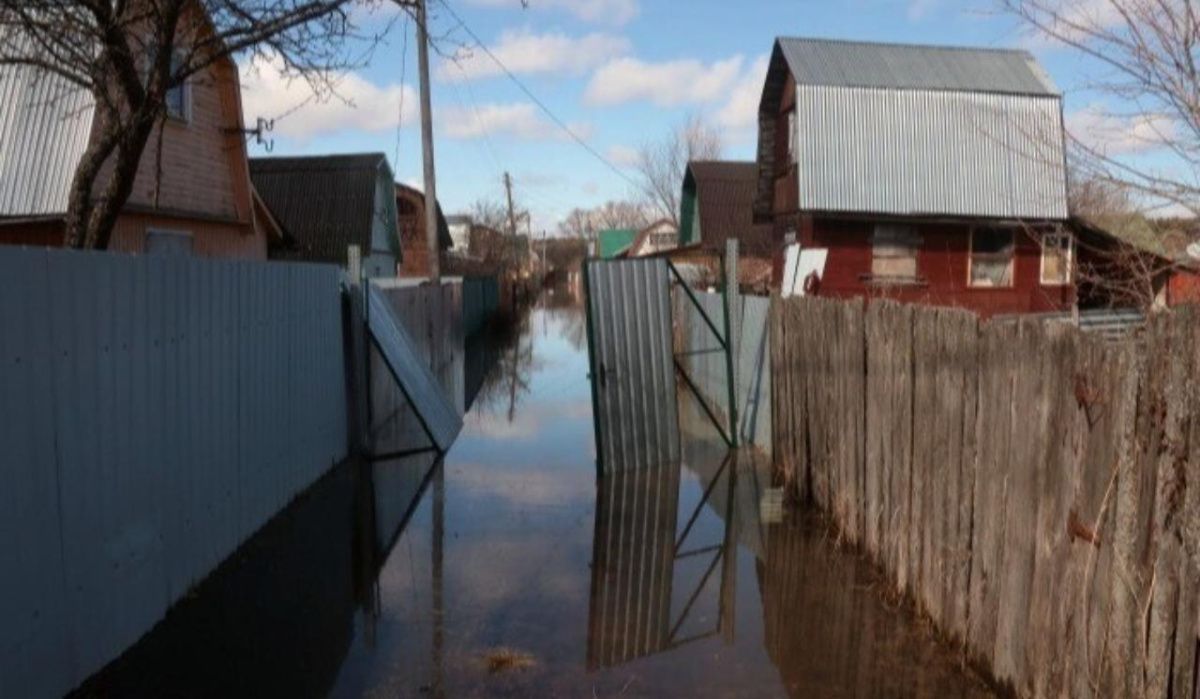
point(511, 569)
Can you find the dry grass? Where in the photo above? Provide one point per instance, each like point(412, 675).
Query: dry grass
point(507, 659)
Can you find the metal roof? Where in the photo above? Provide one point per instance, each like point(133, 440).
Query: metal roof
point(325, 203)
point(45, 124)
point(902, 130)
point(907, 66)
point(725, 202)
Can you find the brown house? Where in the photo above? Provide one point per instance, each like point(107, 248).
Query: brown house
point(410, 218)
point(202, 204)
point(930, 174)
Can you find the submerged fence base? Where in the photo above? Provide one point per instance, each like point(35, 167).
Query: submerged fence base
point(1034, 489)
point(154, 412)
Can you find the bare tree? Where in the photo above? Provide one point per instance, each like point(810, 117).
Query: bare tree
point(129, 55)
point(1146, 55)
point(489, 213)
point(661, 164)
point(586, 223)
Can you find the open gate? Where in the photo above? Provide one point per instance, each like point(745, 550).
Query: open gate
point(633, 361)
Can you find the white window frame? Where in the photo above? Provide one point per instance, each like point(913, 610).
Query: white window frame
point(1012, 261)
point(1058, 235)
point(171, 232)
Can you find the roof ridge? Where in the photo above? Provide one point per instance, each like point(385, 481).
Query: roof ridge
point(909, 45)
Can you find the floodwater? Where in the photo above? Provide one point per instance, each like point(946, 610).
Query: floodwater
point(513, 569)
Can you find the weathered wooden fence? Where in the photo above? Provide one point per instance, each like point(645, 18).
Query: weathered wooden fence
point(1025, 484)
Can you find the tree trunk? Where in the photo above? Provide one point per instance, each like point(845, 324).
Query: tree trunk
point(130, 146)
point(79, 199)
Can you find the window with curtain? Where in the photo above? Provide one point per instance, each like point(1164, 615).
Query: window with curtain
point(1057, 258)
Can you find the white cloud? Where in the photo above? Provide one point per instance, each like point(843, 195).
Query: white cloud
point(624, 156)
point(918, 9)
point(613, 12)
point(520, 120)
point(1072, 20)
point(356, 103)
point(666, 84)
point(741, 111)
point(524, 52)
point(1117, 135)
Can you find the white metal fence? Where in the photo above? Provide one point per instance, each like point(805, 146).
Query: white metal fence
point(154, 412)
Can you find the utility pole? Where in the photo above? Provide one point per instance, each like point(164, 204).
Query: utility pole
point(512, 216)
point(431, 219)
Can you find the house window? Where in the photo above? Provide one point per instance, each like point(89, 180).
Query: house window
point(1057, 258)
point(991, 263)
point(178, 100)
point(894, 253)
point(163, 242)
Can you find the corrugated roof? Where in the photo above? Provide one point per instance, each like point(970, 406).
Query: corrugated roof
point(45, 124)
point(906, 66)
point(325, 203)
point(725, 200)
point(917, 131)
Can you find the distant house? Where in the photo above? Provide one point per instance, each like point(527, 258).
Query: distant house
point(614, 242)
point(718, 204)
point(1138, 262)
point(410, 213)
point(201, 203)
point(658, 237)
point(931, 174)
point(325, 204)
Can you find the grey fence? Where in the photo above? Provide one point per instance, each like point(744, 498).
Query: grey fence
point(154, 412)
point(753, 366)
point(480, 299)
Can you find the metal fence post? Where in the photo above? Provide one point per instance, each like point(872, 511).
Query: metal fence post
point(730, 289)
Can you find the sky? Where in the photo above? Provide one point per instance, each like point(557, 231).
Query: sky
point(618, 74)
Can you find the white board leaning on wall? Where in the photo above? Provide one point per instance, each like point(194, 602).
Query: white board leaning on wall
point(799, 265)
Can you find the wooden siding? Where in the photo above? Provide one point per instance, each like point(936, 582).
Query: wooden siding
point(942, 264)
point(209, 238)
point(204, 166)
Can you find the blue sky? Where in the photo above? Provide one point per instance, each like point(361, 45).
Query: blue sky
point(619, 72)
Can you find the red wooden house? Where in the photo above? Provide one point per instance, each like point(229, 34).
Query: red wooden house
point(931, 174)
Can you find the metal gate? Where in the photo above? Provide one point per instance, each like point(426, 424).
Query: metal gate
point(632, 368)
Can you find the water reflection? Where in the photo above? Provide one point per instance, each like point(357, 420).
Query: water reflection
point(409, 577)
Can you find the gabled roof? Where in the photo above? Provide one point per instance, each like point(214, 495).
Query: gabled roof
point(45, 125)
point(724, 192)
point(833, 62)
point(324, 203)
point(920, 131)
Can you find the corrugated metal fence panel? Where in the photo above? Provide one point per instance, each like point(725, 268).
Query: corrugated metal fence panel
point(156, 412)
point(481, 298)
point(433, 318)
point(709, 371)
point(403, 354)
point(930, 152)
point(633, 376)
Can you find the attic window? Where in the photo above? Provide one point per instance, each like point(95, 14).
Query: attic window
point(894, 253)
point(992, 255)
point(1057, 258)
point(791, 135)
point(178, 100)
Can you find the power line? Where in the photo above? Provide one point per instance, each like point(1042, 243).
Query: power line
point(529, 93)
